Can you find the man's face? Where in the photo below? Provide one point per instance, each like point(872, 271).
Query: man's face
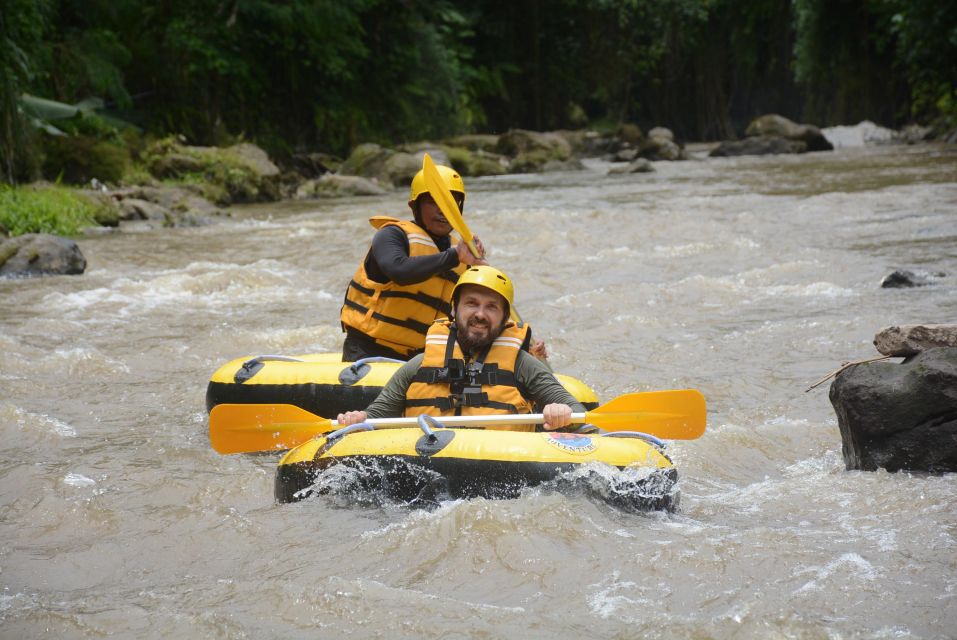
point(431, 216)
point(480, 317)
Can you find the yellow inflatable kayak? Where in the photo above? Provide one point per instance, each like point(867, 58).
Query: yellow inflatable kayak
point(424, 464)
point(321, 382)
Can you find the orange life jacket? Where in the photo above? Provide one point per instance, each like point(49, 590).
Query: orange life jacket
point(446, 385)
point(398, 316)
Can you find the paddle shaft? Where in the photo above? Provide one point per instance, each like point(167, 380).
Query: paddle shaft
point(469, 421)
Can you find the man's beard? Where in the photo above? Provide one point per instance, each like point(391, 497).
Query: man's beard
point(475, 345)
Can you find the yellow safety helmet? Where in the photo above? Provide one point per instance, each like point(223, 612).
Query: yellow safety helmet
point(449, 175)
point(490, 278)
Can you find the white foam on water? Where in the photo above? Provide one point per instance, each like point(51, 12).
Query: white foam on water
point(605, 601)
point(683, 250)
point(571, 299)
point(863, 134)
point(811, 290)
point(200, 285)
point(743, 288)
point(78, 480)
point(847, 563)
point(29, 421)
point(617, 252)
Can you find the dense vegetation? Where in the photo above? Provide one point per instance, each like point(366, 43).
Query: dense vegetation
point(327, 74)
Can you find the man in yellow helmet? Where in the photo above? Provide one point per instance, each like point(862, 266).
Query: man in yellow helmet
point(406, 279)
point(476, 363)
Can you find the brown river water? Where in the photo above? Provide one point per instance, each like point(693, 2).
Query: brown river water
point(748, 279)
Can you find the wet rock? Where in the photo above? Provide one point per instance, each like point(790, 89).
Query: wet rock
point(903, 278)
point(333, 185)
point(390, 167)
point(164, 206)
point(137, 209)
point(778, 126)
point(640, 165)
point(533, 145)
point(630, 134)
point(240, 173)
point(660, 145)
point(474, 142)
point(911, 339)
point(477, 163)
point(253, 158)
point(626, 154)
point(758, 146)
point(899, 417)
point(38, 254)
point(312, 165)
point(595, 144)
point(401, 167)
point(174, 165)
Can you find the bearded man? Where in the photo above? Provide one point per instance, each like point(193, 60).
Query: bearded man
point(476, 363)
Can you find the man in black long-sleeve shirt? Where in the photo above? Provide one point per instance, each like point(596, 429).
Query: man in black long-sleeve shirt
point(406, 279)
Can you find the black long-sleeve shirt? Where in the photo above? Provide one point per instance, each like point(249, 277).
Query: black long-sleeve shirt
point(389, 259)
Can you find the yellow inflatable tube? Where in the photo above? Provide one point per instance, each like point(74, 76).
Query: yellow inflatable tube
point(474, 462)
point(321, 382)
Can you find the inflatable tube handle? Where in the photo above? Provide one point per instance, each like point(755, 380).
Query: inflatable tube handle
point(358, 369)
point(252, 366)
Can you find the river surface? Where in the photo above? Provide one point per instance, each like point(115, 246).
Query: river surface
point(748, 279)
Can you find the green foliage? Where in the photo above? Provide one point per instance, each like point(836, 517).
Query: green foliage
point(297, 75)
point(21, 32)
point(52, 209)
point(926, 31)
point(77, 159)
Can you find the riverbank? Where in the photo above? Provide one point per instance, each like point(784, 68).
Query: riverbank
point(174, 184)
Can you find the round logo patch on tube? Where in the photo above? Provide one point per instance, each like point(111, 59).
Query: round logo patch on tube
point(571, 442)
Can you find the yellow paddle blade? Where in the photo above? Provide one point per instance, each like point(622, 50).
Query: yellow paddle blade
point(450, 209)
point(443, 197)
point(245, 428)
point(672, 415)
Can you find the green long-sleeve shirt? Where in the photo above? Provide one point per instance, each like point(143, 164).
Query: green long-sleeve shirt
point(531, 373)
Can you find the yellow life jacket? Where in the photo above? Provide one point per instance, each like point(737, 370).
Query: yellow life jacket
point(398, 316)
point(446, 385)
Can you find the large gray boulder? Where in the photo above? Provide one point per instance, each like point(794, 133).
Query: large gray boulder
point(390, 167)
point(335, 186)
point(773, 134)
point(778, 126)
point(521, 142)
point(660, 145)
point(899, 417)
point(39, 254)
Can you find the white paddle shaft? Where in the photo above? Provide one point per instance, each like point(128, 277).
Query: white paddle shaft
point(468, 421)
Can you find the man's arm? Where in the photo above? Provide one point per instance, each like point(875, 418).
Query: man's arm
point(390, 257)
point(390, 403)
point(541, 384)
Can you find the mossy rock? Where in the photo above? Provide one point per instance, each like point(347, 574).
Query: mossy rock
point(477, 163)
point(366, 160)
point(474, 142)
point(531, 161)
point(520, 141)
point(240, 173)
